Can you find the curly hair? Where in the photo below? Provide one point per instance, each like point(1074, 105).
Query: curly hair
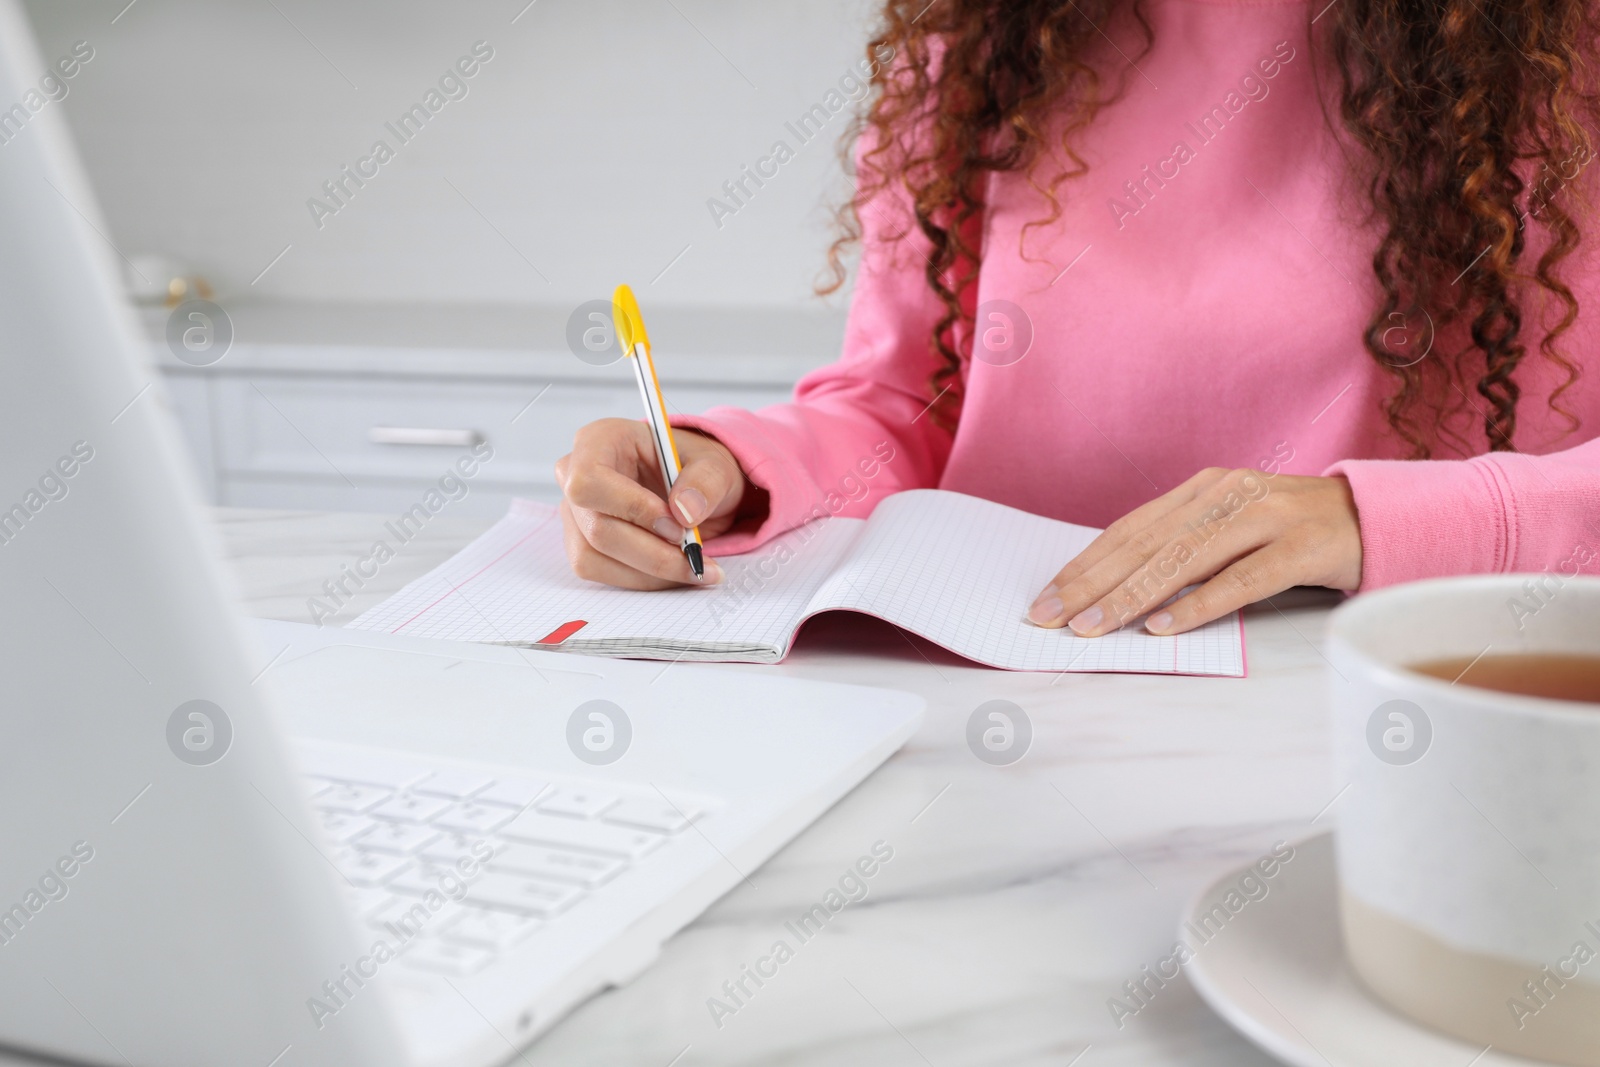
point(1467, 116)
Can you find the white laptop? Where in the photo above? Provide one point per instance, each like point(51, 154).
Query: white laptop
point(267, 844)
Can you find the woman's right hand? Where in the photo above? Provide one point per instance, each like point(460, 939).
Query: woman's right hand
point(619, 529)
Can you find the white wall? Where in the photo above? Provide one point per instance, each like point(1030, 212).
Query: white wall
point(590, 142)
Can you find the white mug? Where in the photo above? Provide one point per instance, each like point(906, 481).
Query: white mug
point(1468, 835)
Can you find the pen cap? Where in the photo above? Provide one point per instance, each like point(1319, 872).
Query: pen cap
point(629, 323)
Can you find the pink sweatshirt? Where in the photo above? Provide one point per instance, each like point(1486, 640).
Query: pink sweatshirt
point(1200, 303)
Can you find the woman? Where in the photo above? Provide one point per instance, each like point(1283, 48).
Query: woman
point(1286, 295)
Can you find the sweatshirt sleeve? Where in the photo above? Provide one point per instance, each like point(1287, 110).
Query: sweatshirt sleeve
point(1498, 512)
point(859, 429)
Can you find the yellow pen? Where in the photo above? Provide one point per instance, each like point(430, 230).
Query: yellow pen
point(636, 346)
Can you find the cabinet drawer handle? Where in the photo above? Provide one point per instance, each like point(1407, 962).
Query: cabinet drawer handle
point(423, 435)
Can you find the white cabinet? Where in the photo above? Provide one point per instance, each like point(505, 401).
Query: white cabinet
point(358, 426)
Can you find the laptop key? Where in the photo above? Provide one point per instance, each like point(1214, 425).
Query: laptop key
point(399, 837)
point(513, 792)
point(368, 868)
point(453, 846)
point(342, 827)
point(581, 803)
point(513, 892)
point(558, 864)
point(473, 817)
point(420, 879)
point(352, 796)
point(655, 815)
point(447, 957)
point(410, 807)
point(484, 926)
point(586, 836)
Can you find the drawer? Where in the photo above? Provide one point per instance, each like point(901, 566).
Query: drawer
point(376, 433)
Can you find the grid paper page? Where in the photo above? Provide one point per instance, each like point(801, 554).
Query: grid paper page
point(962, 572)
point(513, 586)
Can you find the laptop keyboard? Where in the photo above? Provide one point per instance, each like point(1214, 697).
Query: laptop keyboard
point(537, 846)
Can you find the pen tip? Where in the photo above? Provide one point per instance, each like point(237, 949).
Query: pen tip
point(697, 562)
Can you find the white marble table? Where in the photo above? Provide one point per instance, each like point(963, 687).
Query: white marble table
point(1019, 898)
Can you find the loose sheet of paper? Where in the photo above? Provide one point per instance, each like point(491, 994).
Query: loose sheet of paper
point(962, 571)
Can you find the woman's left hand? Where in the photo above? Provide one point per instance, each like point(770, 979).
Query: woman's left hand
point(1251, 534)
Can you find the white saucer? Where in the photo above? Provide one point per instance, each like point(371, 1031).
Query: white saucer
point(1276, 972)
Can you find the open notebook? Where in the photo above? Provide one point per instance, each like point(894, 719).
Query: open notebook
point(958, 570)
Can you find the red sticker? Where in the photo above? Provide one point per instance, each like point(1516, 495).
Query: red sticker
point(562, 632)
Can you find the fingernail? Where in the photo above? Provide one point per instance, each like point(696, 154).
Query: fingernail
point(1047, 609)
point(713, 572)
point(1087, 619)
point(690, 503)
point(668, 530)
point(1160, 622)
